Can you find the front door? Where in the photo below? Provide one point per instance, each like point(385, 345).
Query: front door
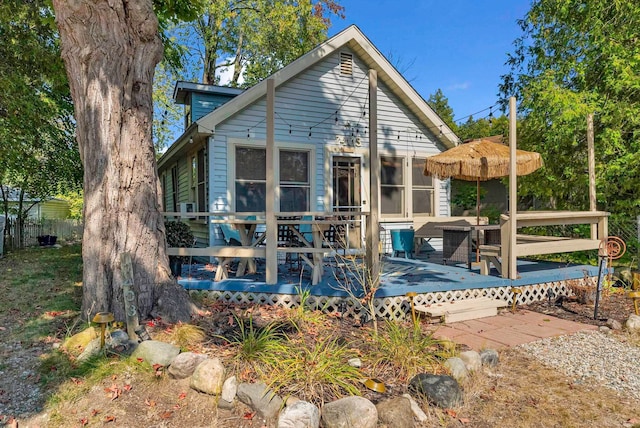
point(347, 196)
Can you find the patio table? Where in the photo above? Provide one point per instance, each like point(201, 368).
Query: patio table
point(315, 248)
point(457, 241)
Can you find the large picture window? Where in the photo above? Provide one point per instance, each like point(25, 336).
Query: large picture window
point(295, 186)
point(392, 187)
point(422, 189)
point(251, 179)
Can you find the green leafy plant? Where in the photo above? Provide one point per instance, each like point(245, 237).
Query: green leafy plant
point(256, 343)
point(179, 234)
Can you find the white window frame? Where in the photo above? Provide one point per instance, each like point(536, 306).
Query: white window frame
point(232, 144)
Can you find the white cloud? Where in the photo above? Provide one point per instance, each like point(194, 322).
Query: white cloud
point(463, 86)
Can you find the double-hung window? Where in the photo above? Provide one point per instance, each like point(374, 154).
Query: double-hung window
point(392, 186)
point(422, 189)
point(251, 179)
point(295, 184)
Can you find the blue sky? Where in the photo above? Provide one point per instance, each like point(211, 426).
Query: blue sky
point(459, 46)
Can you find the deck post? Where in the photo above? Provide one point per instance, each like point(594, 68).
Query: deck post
point(271, 240)
point(592, 172)
point(513, 192)
point(372, 224)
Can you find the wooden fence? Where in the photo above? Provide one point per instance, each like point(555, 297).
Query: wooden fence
point(65, 230)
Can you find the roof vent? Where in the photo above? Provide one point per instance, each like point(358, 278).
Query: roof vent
point(346, 64)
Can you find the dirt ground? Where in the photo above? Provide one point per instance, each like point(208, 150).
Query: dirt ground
point(518, 392)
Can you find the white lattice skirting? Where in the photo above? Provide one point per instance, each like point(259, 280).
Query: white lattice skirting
point(398, 307)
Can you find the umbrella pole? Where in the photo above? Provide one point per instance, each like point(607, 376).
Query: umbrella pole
point(477, 220)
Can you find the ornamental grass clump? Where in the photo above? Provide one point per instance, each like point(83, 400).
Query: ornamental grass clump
point(316, 371)
point(402, 351)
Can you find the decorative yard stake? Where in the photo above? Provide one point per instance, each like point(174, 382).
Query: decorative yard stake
point(603, 261)
point(130, 308)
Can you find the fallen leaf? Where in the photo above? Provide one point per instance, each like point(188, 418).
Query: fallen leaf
point(140, 359)
point(451, 412)
point(109, 418)
point(248, 415)
point(150, 403)
point(84, 422)
point(127, 387)
point(464, 420)
point(76, 381)
point(176, 407)
point(157, 367)
point(166, 415)
point(95, 412)
point(182, 396)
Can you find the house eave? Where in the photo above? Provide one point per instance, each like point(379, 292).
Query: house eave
point(193, 133)
point(362, 46)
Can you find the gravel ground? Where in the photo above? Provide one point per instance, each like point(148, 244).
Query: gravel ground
point(592, 357)
point(20, 394)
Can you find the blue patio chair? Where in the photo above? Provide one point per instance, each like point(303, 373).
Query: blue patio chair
point(402, 242)
point(231, 235)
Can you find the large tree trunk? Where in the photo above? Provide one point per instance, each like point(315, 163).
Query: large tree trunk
point(110, 49)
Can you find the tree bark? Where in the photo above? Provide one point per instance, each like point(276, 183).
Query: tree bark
point(110, 49)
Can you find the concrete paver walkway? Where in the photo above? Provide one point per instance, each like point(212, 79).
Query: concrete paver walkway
point(508, 329)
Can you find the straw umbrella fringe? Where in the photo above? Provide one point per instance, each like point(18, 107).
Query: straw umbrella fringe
point(480, 160)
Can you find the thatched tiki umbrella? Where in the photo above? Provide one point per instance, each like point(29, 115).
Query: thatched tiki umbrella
point(480, 160)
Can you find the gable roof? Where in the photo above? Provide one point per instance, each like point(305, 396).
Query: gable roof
point(361, 46)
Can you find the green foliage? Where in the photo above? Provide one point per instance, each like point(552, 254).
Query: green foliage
point(408, 351)
point(257, 344)
point(483, 127)
point(75, 198)
point(179, 234)
point(465, 195)
point(440, 104)
point(38, 154)
point(576, 58)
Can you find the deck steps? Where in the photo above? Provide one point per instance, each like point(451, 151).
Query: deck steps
point(463, 310)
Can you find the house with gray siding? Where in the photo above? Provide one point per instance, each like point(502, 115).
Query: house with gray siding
point(321, 142)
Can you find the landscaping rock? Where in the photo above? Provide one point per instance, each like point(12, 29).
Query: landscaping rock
point(457, 368)
point(396, 412)
point(355, 362)
point(156, 352)
point(90, 350)
point(418, 413)
point(614, 324)
point(489, 357)
point(208, 376)
point(229, 389)
point(183, 365)
point(350, 412)
point(441, 390)
point(472, 360)
point(117, 337)
point(224, 404)
point(299, 415)
point(79, 341)
point(260, 398)
point(633, 323)
point(604, 329)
